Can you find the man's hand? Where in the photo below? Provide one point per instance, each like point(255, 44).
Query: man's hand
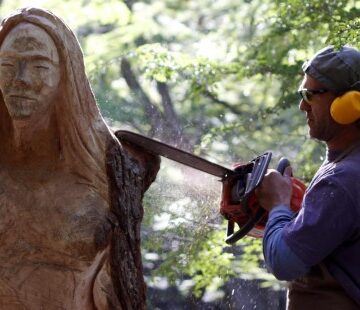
point(275, 189)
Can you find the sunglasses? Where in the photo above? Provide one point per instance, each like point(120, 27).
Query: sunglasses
point(306, 94)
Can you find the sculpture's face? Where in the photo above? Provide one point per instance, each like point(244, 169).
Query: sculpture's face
point(29, 72)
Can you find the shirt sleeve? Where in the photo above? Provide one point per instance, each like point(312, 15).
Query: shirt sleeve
point(280, 260)
point(326, 219)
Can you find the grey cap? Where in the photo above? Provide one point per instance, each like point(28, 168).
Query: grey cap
point(337, 69)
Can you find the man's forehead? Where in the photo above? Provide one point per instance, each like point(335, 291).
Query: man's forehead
point(311, 83)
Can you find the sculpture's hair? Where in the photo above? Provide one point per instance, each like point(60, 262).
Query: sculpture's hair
point(84, 136)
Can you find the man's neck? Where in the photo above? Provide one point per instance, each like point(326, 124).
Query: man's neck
point(348, 136)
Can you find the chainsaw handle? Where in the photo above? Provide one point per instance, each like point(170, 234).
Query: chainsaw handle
point(283, 164)
point(232, 236)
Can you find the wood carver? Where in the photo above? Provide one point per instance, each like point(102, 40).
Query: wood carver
point(70, 193)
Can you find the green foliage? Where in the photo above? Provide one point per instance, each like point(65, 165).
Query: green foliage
point(207, 262)
point(203, 260)
point(165, 66)
point(345, 33)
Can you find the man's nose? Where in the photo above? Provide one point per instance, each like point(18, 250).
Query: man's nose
point(304, 106)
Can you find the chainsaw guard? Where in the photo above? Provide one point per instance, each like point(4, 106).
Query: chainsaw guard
point(239, 204)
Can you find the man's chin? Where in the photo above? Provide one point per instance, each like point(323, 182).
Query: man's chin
point(313, 134)
point(318, 136)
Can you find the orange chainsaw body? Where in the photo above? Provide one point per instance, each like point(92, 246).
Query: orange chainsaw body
point(241, 212)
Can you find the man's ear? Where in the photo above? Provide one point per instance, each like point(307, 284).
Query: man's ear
point(345, 109)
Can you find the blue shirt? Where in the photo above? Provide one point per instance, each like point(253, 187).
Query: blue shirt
point(326, 229)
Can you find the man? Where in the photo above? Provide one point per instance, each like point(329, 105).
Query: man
point(318, 249)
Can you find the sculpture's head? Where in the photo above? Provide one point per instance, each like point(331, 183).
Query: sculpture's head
point(39, 52)
point(50, 32)
point(29, 73)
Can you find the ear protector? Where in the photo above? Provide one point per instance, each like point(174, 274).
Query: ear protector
point(345, 109)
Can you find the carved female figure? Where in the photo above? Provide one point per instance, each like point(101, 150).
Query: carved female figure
point(70, 194)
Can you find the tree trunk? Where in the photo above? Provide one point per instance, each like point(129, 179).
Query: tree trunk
point(131, 171)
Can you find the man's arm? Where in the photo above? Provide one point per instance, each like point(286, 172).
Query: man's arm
point(283, 263)
point(274, 195)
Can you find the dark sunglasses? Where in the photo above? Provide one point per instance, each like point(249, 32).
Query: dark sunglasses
point(306, 94)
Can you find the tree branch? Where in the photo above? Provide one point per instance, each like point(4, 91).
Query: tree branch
point(174, 132)
point(223, 103)
point(151, 112)
point(129, 4)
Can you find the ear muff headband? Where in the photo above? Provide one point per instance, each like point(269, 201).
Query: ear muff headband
point(345, 109)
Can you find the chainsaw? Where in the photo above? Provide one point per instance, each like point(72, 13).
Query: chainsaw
point(239, 203)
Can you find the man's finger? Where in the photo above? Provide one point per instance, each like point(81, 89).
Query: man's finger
point(288, 171)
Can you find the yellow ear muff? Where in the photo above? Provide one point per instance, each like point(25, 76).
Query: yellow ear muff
point(345, 109)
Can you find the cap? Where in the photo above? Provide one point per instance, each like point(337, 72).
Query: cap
point(337, 69)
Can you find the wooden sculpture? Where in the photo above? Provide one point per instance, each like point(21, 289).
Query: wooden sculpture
point(70, 193)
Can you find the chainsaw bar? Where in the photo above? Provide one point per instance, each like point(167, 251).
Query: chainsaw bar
point(248, 177)
point(173, 153)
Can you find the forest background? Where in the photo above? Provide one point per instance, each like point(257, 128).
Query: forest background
point(219, 79)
